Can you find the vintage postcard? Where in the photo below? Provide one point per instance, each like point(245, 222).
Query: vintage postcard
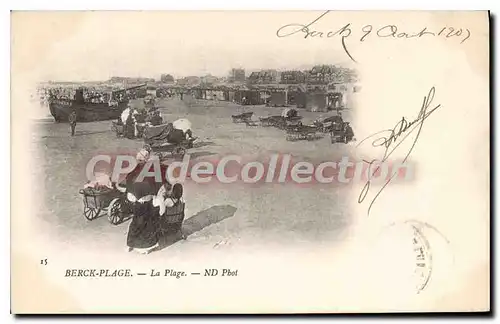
point(211, 162)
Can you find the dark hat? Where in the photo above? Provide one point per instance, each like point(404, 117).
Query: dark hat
point(177, 191)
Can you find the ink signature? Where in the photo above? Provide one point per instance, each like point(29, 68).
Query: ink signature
point(388, 140)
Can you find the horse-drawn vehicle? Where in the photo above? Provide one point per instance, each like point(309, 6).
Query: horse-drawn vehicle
point(119, 128)
point(270, 121)
point(328, 124)
point(162, 149)
point(289, 118)
point(165, 139)
point(281, 122)
point(290, 122)
point(242, 118)
point(286, 122)
point(301, 132)
point(342, 133)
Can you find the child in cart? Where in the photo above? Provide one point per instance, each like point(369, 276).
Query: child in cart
point(171, 208)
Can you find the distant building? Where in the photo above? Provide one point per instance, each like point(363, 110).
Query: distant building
point(189, 81)
point(264, 77)
point(167, 78)
point(292, 77)
point(269, 76)
point(254, 77)
point(237, 75)
point(209, 79)
point(319, 74)
point(324, 74)
point(128, 80)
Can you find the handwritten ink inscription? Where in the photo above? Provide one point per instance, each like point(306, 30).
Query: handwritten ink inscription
point(389, 140)
point(364, 32)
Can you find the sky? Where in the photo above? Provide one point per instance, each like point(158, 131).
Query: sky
point(91, 46)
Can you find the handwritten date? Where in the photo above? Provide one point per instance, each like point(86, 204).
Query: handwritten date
point(365, 32)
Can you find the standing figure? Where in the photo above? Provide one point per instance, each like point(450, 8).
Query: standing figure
point(143, 231)
point(72, 122)
point(130, 127)
point(156, 119)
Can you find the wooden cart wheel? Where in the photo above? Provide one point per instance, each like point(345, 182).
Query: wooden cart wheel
point(90, 213)
point(115, 214)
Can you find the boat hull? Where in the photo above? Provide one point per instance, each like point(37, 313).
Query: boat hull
point(85, 112)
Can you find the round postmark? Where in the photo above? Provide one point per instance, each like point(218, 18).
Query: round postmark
point(411, 250)
point(423, 259)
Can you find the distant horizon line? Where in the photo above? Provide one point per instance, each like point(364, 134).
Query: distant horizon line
point(180, 76)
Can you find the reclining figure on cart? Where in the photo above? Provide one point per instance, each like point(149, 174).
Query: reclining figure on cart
point(171, 138)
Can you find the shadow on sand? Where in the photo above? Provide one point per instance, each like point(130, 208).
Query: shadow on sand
point(77, 133)
point(196, 155)
point(198, 222)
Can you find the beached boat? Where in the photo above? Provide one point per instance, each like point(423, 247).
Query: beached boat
point(86, 111)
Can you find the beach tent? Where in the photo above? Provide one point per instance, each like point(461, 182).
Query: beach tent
point(277, 98)
point(297, 98)
point(252, 97)
point(316, 102)
point(182, 124)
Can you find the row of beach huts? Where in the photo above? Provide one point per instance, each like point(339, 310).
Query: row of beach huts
point(312, 99)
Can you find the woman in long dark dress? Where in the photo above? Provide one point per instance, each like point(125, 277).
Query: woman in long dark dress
point(143, 229)
point(143, 233)
point(130, 127)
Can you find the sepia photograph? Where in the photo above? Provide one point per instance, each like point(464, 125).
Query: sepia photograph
point(249, 162)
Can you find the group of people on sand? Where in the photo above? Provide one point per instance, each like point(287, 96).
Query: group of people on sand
point(134, 120)
point(151, 203)
point(157, 207)
point(154, 203)
point(90, 95)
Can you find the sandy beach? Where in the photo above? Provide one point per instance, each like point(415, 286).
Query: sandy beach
point(217, 215)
